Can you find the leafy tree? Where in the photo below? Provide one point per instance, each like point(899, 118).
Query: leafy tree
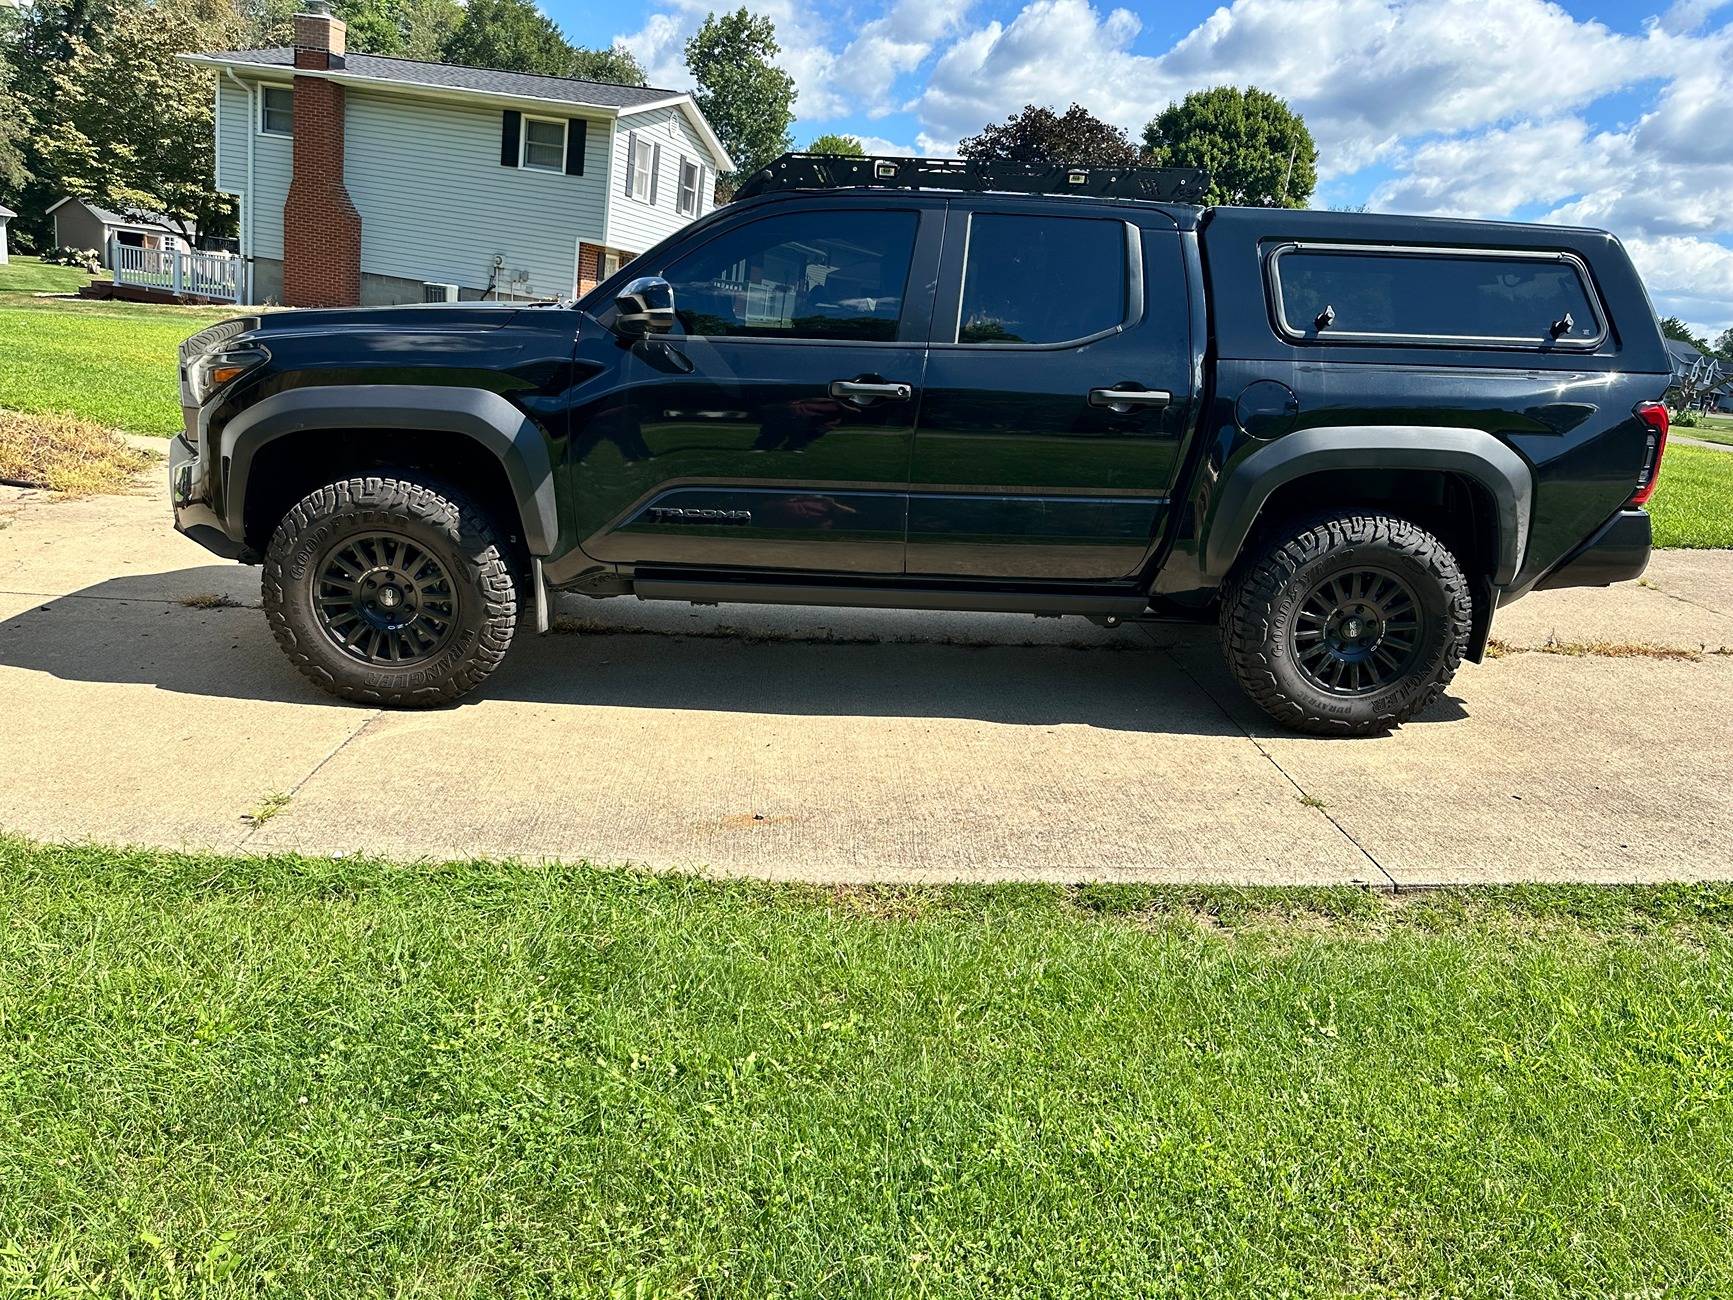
point(517, 36)
point(14, 120)
point(404, 29)
point(1256, 149)
point(614, 64)
point(747, 98)
point(129, 125)
point(1724, 345)
point(846, 145)
point(509, 34)
point(1674, 328)
point(1039, 134)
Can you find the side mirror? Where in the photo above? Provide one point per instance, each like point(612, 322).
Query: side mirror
point(645, 306)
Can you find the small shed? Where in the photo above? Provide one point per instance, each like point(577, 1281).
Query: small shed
point(6, 215)
point(79, 223)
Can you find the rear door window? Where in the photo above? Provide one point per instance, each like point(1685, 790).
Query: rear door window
point(1042, 279)
point(1528, 300)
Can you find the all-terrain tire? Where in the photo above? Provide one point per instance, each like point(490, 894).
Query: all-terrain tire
point(1261, 619)
point(479, 595)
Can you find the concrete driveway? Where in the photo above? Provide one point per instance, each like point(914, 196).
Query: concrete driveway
point(851, 745)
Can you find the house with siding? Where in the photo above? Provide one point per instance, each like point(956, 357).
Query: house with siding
point(372, 180)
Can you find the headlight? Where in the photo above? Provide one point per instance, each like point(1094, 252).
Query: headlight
point(214, 370)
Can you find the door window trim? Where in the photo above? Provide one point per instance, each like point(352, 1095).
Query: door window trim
point(1132, 310)
point(1525, 343)
point(912, 321)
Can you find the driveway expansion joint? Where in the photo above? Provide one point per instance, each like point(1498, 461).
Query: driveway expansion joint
point(373, 715)
point(1388, 881)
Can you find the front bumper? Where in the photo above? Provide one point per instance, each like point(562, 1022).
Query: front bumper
point(1617, 552)
point(189, 492)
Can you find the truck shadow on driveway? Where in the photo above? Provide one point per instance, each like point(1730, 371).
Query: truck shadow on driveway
point(140, 629)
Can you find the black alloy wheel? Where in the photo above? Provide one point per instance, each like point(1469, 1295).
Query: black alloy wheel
point(1356, 632)
point(385, 600)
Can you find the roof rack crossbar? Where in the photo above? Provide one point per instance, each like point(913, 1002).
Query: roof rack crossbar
point(817, 171)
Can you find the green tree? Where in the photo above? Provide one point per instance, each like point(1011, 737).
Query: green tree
point(1674, 328)
point(746, 98)
point(1039, 135)
point(1724, 345)
point(1256, 149)
point(129, 125)
point(517, 36)
point(509, 34)
point(614, 65)
point(845, 145)
point(404, 29)
point(14, 119)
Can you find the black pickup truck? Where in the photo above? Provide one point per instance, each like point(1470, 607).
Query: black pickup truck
point(887, 382)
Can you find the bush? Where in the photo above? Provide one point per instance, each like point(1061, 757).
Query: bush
point(87, 258)
point(1684, 420)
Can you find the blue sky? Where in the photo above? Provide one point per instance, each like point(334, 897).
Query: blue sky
point(1605, 113)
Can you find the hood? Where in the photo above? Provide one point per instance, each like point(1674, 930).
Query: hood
point(418, 319)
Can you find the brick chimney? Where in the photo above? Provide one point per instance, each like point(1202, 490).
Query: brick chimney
point(321, 228)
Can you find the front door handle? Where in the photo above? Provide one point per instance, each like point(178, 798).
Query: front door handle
point(860, 390)
point(1123, 399)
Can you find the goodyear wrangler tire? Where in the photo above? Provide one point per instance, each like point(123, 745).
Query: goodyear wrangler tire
point(390, 592)
point(1349, 626)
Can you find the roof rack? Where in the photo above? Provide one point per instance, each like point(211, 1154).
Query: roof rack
point(819, 171)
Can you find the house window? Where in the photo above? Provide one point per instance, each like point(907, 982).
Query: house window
point(610, 265)
point(277, 111)
point(688, 199)
point(544, 144)
point(642, 164)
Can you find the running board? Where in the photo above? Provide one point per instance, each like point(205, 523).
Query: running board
point(701, 592)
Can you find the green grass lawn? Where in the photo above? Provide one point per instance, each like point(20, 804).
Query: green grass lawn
point(1711, 428)
point(344, 1078)
point(113, 363)
point(33, 275)
point(1693, 505)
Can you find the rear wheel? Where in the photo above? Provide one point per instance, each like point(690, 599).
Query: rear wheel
point(1349, 626)
point(390, 592)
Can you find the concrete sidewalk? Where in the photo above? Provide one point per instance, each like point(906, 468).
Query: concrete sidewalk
point(852, 745)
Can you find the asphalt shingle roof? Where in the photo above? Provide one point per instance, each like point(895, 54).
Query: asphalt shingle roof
point(566, 90)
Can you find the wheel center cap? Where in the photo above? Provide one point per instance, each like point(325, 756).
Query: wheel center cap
point(1351, 628)
point(390, 597)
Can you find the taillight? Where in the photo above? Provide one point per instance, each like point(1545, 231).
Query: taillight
point(1653, 414)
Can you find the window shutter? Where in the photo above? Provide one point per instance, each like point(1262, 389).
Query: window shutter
point(511, 127)
point(577, 130)
point(655, 172)
point(631, 159)
point(703, 187)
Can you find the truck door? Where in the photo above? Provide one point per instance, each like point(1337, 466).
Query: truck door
point(773, 428)
point(1058, 380)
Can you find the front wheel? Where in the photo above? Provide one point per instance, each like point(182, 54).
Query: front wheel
point(1349, 626)
point(390, 592)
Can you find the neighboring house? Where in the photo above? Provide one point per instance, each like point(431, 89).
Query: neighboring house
point(375, 180)
point(6, 215)
point(79, 223)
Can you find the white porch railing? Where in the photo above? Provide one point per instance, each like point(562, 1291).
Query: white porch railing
point(204, 275)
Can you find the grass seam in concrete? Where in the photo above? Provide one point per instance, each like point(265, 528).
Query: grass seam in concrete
point(255, 826)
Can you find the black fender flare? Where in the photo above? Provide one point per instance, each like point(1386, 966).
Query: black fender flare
point(1473, 453)
point(474, 413)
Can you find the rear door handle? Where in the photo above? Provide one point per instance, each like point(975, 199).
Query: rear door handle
point(1123, 399)
point(859, 390)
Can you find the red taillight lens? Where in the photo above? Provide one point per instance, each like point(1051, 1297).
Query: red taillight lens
point(1653, 414)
